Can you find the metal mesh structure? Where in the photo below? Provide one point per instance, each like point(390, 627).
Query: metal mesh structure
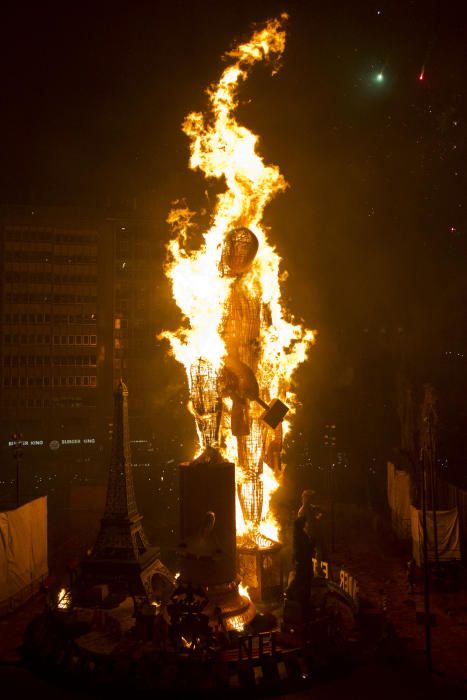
point(250, 491)
point(206, 402)
point(238, 252)
point(243, 316)
point(241, 325)
point(120, 499)
point(250, 450)
point(250, 495)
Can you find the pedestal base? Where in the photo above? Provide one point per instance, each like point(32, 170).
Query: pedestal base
point(147, 576)
point(260, 568)
point(228, 606)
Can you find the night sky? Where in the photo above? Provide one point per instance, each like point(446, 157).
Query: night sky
point(373, 227)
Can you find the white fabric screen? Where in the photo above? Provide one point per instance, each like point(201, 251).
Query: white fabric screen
point(447, 522)
point(23, 552)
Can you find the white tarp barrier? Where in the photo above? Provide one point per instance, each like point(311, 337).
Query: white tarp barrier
point(447, 522)
point(399, 501)
point(23, 552)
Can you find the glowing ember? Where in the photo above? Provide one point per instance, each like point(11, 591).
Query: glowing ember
point(238, 345)
point(63, 599)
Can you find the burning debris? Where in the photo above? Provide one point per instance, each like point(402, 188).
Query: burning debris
point(238, 345)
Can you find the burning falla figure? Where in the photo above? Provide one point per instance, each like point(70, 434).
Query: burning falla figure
point(255, 424)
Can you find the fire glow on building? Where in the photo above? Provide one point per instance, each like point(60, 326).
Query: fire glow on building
point(238, 344)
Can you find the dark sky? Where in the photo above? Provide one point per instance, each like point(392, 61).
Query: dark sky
point(373, 227)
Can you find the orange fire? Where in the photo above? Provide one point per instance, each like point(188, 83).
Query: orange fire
point(222, 148)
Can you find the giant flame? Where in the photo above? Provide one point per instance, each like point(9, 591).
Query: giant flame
point(222, 148)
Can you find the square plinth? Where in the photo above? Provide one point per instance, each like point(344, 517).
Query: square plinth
point(261, 570)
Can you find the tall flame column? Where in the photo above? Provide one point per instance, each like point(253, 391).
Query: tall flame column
point(237, 342)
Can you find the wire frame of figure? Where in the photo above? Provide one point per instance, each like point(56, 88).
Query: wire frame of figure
point(250, 449)
point(250, 461)
point(238, 252)
point(241, 325)
point(206, 402)
point(250, 495)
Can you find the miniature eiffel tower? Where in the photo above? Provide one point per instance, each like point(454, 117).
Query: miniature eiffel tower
point(122, 557)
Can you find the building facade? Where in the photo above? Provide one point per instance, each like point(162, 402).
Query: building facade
point(78, 308)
